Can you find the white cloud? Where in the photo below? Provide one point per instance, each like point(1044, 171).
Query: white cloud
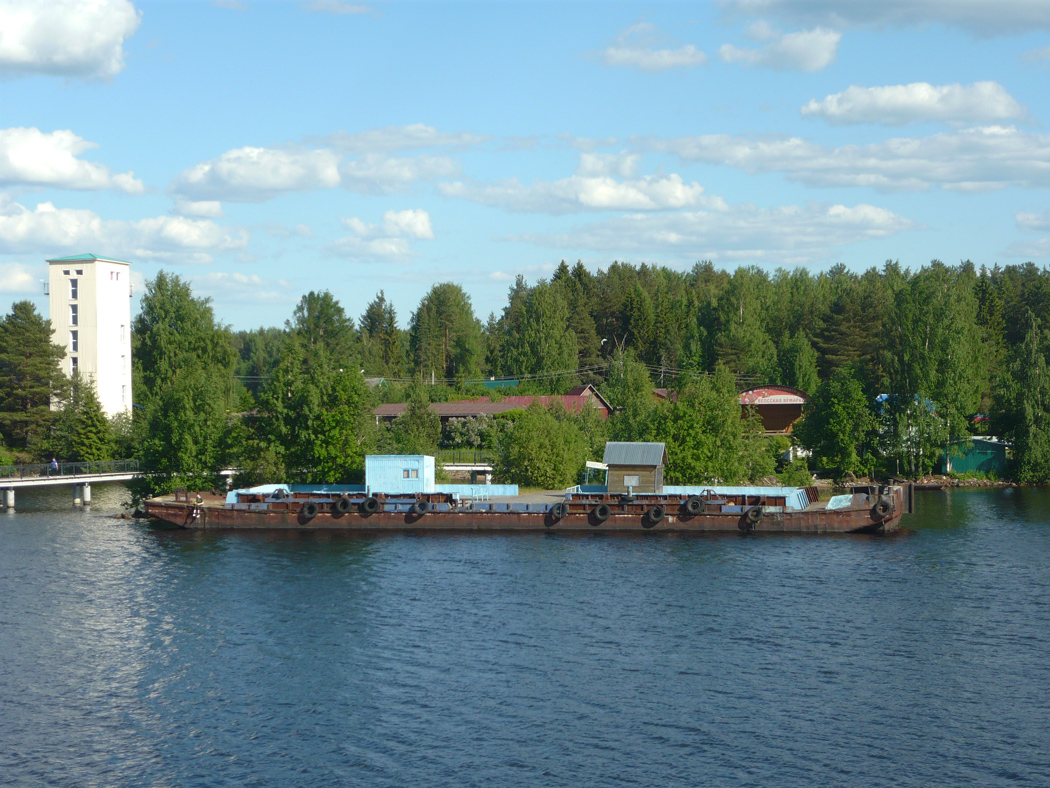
point(415, 136)
point(897, 105)
point(636, 46)
point(377, 174)
point(34, 158)
point(980, 17)
point(388, 241)
point(336, 7)
point(15, 278)
point(1040, 55)
point(252, 174)
point(202, 209)
point(410, 223)
point(1034, 222)
point(46, 229)
point(976, 159)
point(77, 38)
point(256, 174)
point(585, 143)
point(788, 234)
point(592, 188)
point(1030, 250)
point(806, 50)
point(246, 288)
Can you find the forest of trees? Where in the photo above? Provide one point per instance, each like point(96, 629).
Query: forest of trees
point(898, 364)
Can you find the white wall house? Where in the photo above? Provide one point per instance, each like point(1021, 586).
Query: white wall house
point(91, 319)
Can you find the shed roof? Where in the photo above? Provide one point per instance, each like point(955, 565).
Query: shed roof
point(635, 454)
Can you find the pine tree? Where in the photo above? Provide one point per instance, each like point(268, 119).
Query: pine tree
point(444, 336)
point(82, 433)
point(30, 375)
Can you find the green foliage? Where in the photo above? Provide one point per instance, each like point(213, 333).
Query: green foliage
point(707, 439)
point(30, 376)
point(382, 342)
point(837, 424)
point(537, 340)
point(798, 364)
point(418, 429)
point(444, 336)
point(321, 324)
point(125, 443)
point(81, 431)
point(796, 474)
point(937, 367)
point(1023, 407)
point(313, 417)
point(472, 432)
point(186, 361)
point(538, 450)
point(630, 391)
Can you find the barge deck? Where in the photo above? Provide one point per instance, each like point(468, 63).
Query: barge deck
point(866, 509)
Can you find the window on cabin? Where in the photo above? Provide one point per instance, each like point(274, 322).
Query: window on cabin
point(404, 473)
point(630, 481)
point(415, 474)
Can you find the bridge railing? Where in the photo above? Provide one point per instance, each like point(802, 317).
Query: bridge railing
point(466, 456)
point(70, 469)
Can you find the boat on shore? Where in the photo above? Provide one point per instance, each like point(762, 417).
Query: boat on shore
point(864, 509)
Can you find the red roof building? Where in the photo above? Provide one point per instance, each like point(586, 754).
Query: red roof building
point(779, 407)
point(579, 397)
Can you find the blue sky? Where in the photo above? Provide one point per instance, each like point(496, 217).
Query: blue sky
point(264, 149)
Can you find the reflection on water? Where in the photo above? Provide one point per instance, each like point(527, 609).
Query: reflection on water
point(131, 655)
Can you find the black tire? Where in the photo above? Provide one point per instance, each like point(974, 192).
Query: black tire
point(694, 505)
point(753, 515)
point(653, 515)
point(342, 504)
point(883, 508)
point(420, 507)
point(370, 505)
point(601, 513)
point(309, 510)
point(559, 510)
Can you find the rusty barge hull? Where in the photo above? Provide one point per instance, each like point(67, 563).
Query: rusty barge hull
point(580, 518)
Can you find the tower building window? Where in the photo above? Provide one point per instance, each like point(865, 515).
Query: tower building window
point(74, 341)
point(74, 289)
point(73, 314)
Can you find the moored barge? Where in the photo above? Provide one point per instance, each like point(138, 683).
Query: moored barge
point(865, 509)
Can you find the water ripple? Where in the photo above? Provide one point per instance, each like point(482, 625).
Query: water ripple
point(134, 656)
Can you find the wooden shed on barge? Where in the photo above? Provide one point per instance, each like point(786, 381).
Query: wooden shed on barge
point(635, 467)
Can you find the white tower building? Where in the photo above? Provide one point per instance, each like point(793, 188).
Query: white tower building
point(91, 318)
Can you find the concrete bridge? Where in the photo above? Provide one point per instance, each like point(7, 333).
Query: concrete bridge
point(78, 475)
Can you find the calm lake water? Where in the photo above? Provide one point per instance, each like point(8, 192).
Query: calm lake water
point(135, 656)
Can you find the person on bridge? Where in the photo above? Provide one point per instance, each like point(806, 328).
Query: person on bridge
point(54, 466)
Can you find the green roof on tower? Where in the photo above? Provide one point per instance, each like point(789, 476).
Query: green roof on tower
point(85, 258)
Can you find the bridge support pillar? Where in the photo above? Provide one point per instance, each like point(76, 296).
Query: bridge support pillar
point(77, 500)
point(85, 494)
point(9, 498)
